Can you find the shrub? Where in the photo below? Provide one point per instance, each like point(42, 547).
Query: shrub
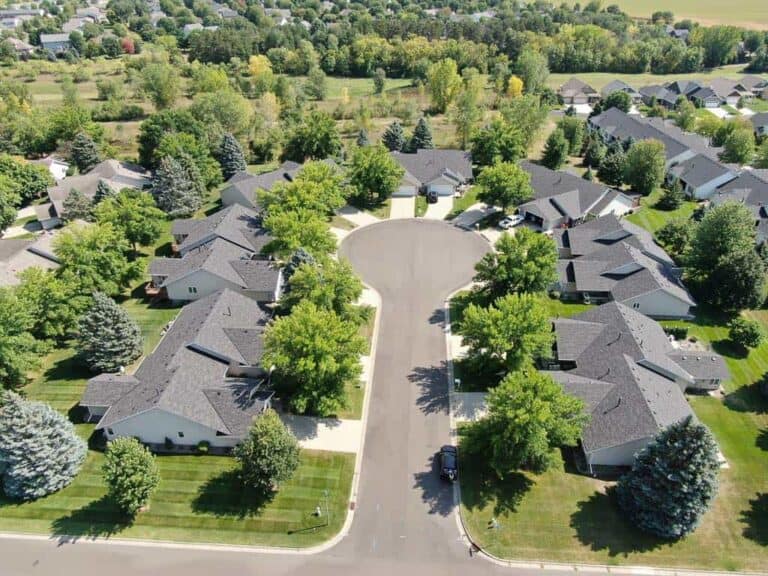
point(130, 473)
point(745, 333)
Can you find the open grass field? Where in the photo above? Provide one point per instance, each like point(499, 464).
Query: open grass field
point(563, 516)
point(652, 218)
point(746, 13)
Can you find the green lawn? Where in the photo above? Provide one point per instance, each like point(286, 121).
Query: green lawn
point(563, 516)
point(465, 201)
point(421, 206)
point(652, 218)
point(198, 500)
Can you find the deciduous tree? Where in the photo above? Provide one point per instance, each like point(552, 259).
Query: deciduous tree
point(443, 83)
point(374, 174)
point(315, 137)
point(19, 351)
point(645, 166)
point(130, 473)
point(504, 184)
point(745, 332)
point(135, 213)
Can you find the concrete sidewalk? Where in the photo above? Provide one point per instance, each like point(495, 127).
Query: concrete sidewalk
point(441, 209)
point(402, 207)
point(357, 216)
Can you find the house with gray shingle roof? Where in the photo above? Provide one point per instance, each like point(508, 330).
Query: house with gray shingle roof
point(620, 86)
point(656, 94)
point(631, 378)
point(760, 123)
point(562, 199)
point(701, 175)
point(242, 188)
point(214, 266)
point(235, 224)
point(56, 43)
point(576, 91)
point(751, 190)
point(203, 383)
point(444, 172)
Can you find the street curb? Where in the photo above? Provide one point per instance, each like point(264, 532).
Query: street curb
point(542, 564)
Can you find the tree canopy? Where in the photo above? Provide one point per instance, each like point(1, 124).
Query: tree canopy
point(504, 184)
point(130, 473)
point(645, 166)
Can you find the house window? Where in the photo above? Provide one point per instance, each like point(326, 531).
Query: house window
point(192, 290)
point(110, 431)
point(181, 434)
point(635, 305)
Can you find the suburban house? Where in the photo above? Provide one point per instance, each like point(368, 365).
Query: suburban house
point(562, 199)
point(701, 175)
point(56, 43)
point(242, 188)
point(751, 189)
point(19, 254)
point(656, 94)
point(706, 97)
point(621, 86)
point(20, 47)
point(577, 91)
point(56, 166)
point(204, 382)
point(753, 84)
point(760, 122)
point(236, 224)
point(116, 174)
point(280, 16)
point(214, 266)
point(631, 378)
point(444, 172)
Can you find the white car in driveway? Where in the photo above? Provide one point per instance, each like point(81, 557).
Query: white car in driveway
point(510, 221)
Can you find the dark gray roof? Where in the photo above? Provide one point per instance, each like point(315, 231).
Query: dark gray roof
point(249, 184)
point(706, 92)
point(236, 224)
point(748, 188)
point(700, 170)
point(702, 365)
point(724, 87)
point(223, 259)
point(752, 82)
point(558, 194)
point(189, 367)
point(106, 389)
point(760, 119)
point(660, 93)
point(613, 344)
point(426, 166)
point(618, 86)
point(683, 87)
point(575, 86)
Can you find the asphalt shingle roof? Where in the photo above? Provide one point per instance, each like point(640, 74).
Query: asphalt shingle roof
point(428, 166)
point(236, 224)
point(700, 170)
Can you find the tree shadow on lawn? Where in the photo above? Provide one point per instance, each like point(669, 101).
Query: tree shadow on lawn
point(727, 347)
point(762, 439)
point(98, 519)
point(225, 496)
point(756, 519)
point(68, 368)
point(481, 486)
point(749, 398)
point(599, 524)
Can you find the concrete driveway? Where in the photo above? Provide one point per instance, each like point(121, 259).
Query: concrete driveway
point(402, 207)
point(329, 434)
point(440, 209)
point(473, 215)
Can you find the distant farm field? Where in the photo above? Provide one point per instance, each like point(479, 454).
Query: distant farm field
point(746, 13)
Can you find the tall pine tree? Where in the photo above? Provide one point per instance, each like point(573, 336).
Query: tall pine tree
point(107, 337)
point(422, 137)
point(40, 452)
point(362, 138)
point(231, 156)
point(77, 206)
point(85, 154)
point(174, 192)
point(393, 137)
point(673, 481)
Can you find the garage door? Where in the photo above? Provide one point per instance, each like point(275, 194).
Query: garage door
point(442, 189)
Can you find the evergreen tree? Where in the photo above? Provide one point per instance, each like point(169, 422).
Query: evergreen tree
point(421, 138)
point(269, 455)
point(40, 451)
point(173, 190)
point(393, 137)
point(85, 154)
point(103, 190)
point(130, 473)
point(672, 197)
point(362, 138)
point(611, 170)
point(299, 257)
point(108, 338)
point(673, 481)
point(231, 156)
point(556, 150)
point(594, 153)
point(77, 206)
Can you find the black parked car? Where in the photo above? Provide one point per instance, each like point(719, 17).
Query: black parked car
point(432, 197)
point(449, 467)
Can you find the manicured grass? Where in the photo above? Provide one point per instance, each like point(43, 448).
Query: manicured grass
point(563, 516)
point(651, 218)
point(599, 79)
point(758, 105)
point(342, 223)
point(421, 206)
point(198, 500)
point(24, 221)
point(382, 210)
point(462, 203)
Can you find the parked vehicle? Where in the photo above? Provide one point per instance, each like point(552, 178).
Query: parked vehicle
point(449, 469)
point(510, 222)
point(432, 197)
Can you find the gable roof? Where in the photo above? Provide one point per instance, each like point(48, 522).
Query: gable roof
point(116, 174)
point(575, 86)
point(700, 170)
point(186, 375)
point(223, 259)
point(613, 344)
point(249, 184)
point(750, 188)
point(426, 166)
point(659, 93)
point(752, 82)
point(759, 120)
point(235, 224)
point(618, 86)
